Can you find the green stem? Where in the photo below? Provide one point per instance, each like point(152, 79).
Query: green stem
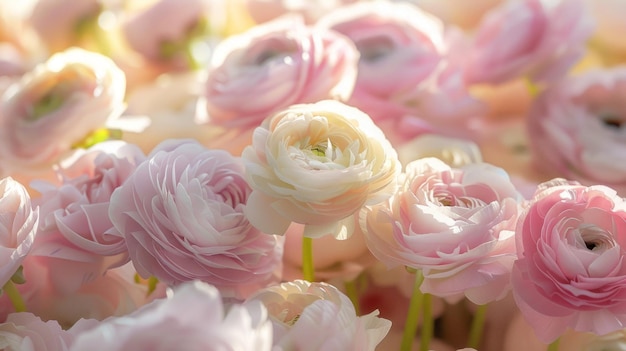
point(353, 294)
point(415, 306)
point(427, 322)
point(478, 325)
point(14, 295)
point(308, 272)
point(554, 346)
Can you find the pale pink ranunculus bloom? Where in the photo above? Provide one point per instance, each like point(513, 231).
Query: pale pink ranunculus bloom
point(570, 268)
point(165, 43)
point(194, 318)
point(55, 106)
point(25, 331)
point(182, 214)
point(405, 79)
point(455, 225)
point(270, 67)
point(18, 223)
point(576, 128)
point(318, 165)
point(75, 233)
point(538, 39)
point(317, 316)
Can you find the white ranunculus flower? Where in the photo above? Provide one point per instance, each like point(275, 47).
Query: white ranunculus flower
point(317, 164)
point(317, 316)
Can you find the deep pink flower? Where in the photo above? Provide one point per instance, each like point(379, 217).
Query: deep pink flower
point(182, 214)
point(570, 271)
point(456, 225)
point(540, 39)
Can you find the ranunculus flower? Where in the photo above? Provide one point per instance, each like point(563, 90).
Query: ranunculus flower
point(582, 118)
point(317, 164)
point(193, 319)
point(271, 67)
point(166, 43)
point(570, 270)
point(26, 332)
point(56, 106)
point(18, 223)
point(74, 227)
point(405, 80)
point(576, 128)
point(182, 214)
point(317, 316)
point(540, 39)
point(456, 225)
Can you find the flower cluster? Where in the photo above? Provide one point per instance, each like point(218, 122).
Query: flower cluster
point(317, 175)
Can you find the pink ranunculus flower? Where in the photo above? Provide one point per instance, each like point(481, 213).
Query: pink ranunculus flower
point(271, 67)
point(539, 39)
point(570, 270)
point(318, 165)
point(166, 44)
point(576, 128)
point(74, 227)
point(192, 319)
point(18, 223)
point(55, 106)
point(405, 80)
point(27, 332)
point(317, 316)
point(182, 214)
point(456, 225)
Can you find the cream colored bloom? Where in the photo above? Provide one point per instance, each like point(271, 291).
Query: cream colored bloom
point(317, 316)
point(317, 164)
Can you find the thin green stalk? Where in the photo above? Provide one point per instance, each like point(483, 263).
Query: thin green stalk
point(478, 325)
point(14, 295)
point(353, 294)
point(428, 324)
point(554, 346)
point(415, 307)
point(308, 271)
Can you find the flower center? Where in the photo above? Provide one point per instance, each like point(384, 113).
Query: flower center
point(374, 49)
point(594, 237)
point(612, 121)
